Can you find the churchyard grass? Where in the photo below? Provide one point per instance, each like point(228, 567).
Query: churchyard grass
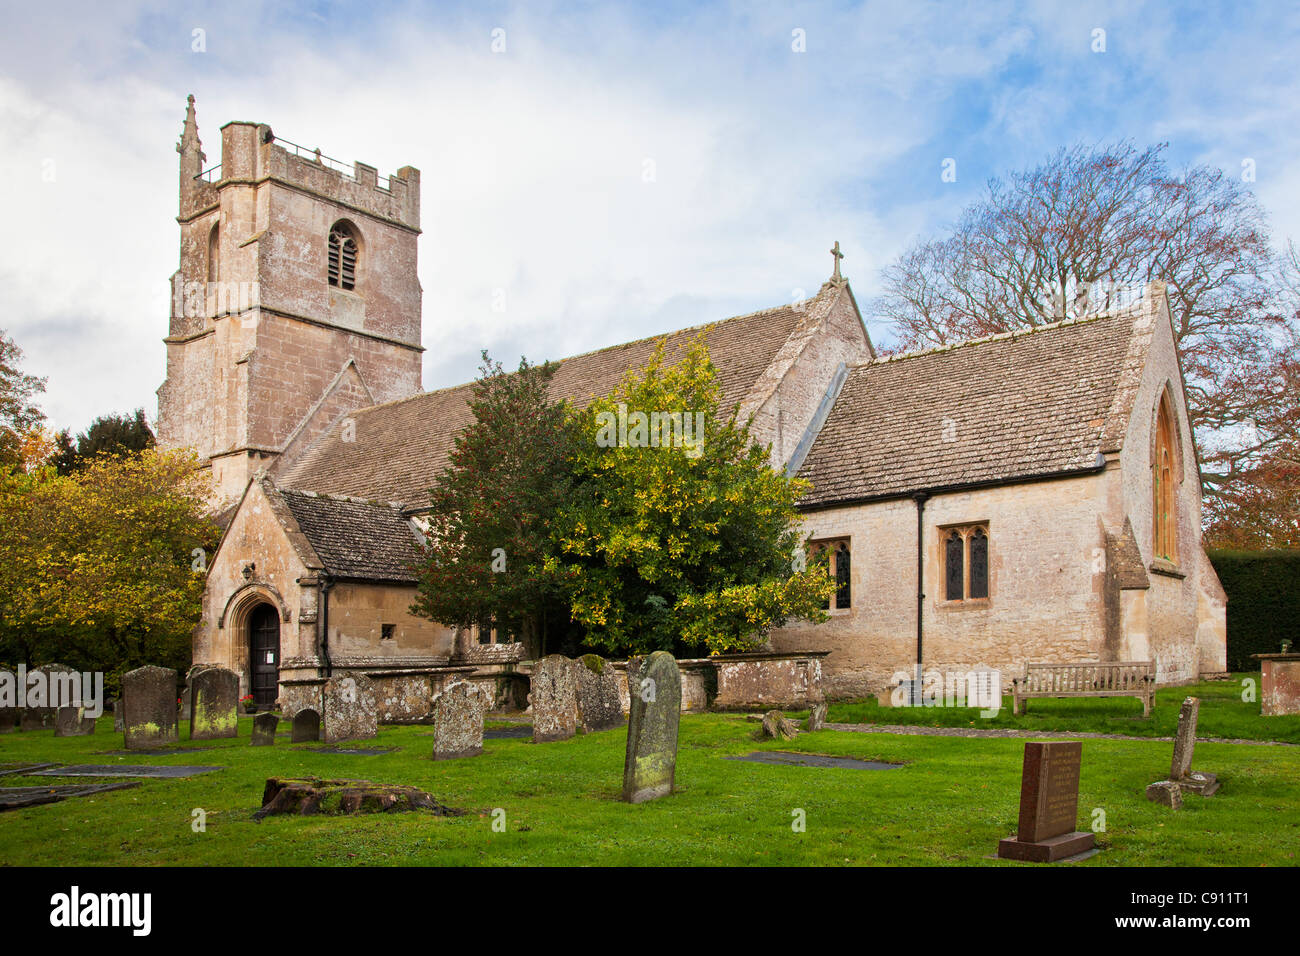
point(949, 804)
point(1223, 714)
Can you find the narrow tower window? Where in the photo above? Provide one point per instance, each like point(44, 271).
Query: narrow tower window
point(214, 254)
point(344, 252)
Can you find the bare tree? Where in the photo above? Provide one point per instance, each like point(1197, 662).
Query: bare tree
point(1082, 232)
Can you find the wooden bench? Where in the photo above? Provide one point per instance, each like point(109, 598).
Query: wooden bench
point(1094, 679)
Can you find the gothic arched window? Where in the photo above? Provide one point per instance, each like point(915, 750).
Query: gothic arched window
point(954, 570)
point(343, 256)
point(843, 587)
point(966, 563)
point(835, 557)
point(1163, 487)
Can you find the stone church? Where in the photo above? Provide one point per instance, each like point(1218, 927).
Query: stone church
point(1027, 497)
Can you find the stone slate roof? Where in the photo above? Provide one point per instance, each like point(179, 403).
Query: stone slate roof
point(1010, 407)
point(401, 447)
point(355, 539)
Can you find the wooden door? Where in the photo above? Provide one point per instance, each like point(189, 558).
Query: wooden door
point(264, 655)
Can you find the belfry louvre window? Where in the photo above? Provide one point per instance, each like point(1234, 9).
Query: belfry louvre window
point(1163, 488)
point(343, 258)
point(965, 554)
point(836, 557)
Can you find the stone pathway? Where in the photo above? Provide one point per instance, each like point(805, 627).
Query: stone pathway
point(1007, 732)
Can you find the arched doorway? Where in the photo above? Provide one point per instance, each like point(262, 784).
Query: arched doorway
point(264, 655)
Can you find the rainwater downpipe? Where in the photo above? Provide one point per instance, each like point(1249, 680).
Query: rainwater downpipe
point(325, 585)
point(920, 498)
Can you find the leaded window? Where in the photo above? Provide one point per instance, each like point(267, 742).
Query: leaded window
point(966, 563)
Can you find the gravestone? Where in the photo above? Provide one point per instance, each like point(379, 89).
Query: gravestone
point(1049, 805)
point(150, 718)
point(73, 722)
point(350, 711)
point(597, 694)
point(119, 716)
point(264, 726)
point(816, 717)
point(655, 689)
point(554, 697)
point(1181, 775)
point(458, 721)
point(42, 718)
point(215, 698)
point(306, 726)
point(187, 702)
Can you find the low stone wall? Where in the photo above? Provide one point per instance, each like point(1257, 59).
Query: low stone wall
point(403, 695)
point(699, 679)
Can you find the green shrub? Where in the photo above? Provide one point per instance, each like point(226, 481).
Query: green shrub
point(1263, 589)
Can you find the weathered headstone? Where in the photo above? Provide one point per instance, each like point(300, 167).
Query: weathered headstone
point(73, 722)
point(816, 717)
point(458, 721)
point(306, 726)
point(655, 687)
point(351, 711)
point(215, 699)
point(51, 687)
point(554, 697)
point(150, 718)
point(119, 716)
point(1181, 776)
point(264, 726)
point(597, 694)
point(187, 702)
point(1049, 805)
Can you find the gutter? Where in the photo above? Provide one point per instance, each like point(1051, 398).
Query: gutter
point(1096, 468)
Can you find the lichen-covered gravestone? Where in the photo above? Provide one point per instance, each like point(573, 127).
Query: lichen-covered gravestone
point(1181, 776)
point(458, 721)
point(264, 726)
point(306, 726)
point(150, 718)
point(351, 711)
point(816, 717)
point(73, 722)
point(554, 697)
point(214, 703)
point(597, 693)
point(51, 687)
point(655, 688)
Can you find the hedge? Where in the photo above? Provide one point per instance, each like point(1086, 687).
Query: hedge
point(1263, 589)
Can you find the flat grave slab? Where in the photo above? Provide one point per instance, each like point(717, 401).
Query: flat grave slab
point(15, 798)
point(790, 759)
point(160, 752)
point(13, 769)
point(351, 751)
point(122, 770)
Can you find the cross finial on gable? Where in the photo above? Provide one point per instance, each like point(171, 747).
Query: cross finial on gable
point(835, 251)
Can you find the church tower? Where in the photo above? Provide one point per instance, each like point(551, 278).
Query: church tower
point(296, 301)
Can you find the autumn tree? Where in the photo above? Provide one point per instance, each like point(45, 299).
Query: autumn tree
point(20, 417)
point(492, 509)
point(102, 570)
point(1061, 240)
point(679, 535)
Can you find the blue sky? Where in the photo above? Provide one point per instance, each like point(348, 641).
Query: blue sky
point(532, 159)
